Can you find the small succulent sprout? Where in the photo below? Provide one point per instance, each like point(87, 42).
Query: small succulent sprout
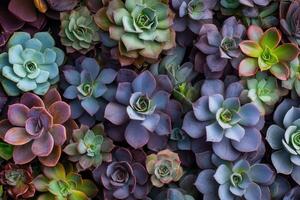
point(142, 29)
point(63, 183)
point(164, 167)
point(36, 128)
point(17, 181)
point(264, 92)
point(293, 83)
point(264, 52)
point(125, 177)
point(221, 46)
point(30, 64)
point(289, 20)
point(89, 147)
point(236, 180)
point(284, 139)
point(78, 30)
point(89, 87)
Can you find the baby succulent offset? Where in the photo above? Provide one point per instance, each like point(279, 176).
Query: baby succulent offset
point(63, 183)
point(141, 28)
point(78, 30)
point(36, 128)
point(30, 64)
point(164, 167)
point(88, 87)
point(264, 52)
point(89, 147)
point(284, 138)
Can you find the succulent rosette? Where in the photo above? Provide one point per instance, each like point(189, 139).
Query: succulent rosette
point(221, 46)
point(264, 52)
point(141, 28)
point(264, 92)
point(35, 128)
point(88, 87)
point(17, 180)
point(236, 180)
point(78, 30)
point(140, 106)
point(164, 167)
point(125, 177)
point(293, 83)
point(283, 139)
point(63, 183)
point(289, 19)
point(89, 147)
point(224, 121)
point(30, 64)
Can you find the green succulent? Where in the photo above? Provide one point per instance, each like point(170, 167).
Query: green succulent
point(78, 30)
point(293, 83)
point(264, 92)
point(89, 147)
point(60, 183)
point(30, 64)
point(142, 28)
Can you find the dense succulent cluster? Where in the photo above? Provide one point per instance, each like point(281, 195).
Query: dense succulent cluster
point(150, 99)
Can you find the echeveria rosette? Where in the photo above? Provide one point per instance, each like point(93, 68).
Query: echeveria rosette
point(236, 180)
point(264, 92)
point(17, 181)
point(36, 128)
point(221, 46)
point(293, 83)
point(125, 177)
point(63, 183)
point(89, 147)
point(289, 20)
point(141, 28)
point(164, 167)
point(283, 137)
point(140, 107)
point(264, 52)
point(88, 87)
point(78, 30)
point(30, 64)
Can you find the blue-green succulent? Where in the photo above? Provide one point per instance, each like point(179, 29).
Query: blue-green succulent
point(30, 63)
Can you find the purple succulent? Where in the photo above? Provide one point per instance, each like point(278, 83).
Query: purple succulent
point(88, 86)
point(225, 122)
point(125, 177)
point(140, 107)
point(221, 46)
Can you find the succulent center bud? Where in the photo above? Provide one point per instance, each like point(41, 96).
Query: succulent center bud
point(80, 30)
point(86, 89)
point(30, 66)
point(120, 175)
point(15, 177)
point(236, 179)
point(228, 44)
point(146, 19)
point(268, 58)
point(226, 116)
point(64, 188)
point(263, 91)
point(142, 104)
point(162, 171)
point(295, 140)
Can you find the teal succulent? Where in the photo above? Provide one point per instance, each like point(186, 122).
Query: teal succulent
point(30, 64)
point(264, 92)
point(78, 30)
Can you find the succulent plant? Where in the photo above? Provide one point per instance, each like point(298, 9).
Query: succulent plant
point(173, 194)
point(221, 46)
point(78, 30)
point(293, 83)
point(141, 106)
point(164, 167)
point(236, 180)
point(35, 128)
point(294, 193)
point(30, 64)
point(264, 92)
point(283, 137)
point(225, 122)
point(17, 180)
point(63, 183)
point(89, 147)
point(264, 52)
point(141, 28)
point(125, 177)
point(88, 87)
point(48, 6)
point(289, 19)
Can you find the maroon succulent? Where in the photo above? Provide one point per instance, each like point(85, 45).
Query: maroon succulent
point(36, 127)
point(17, 181)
